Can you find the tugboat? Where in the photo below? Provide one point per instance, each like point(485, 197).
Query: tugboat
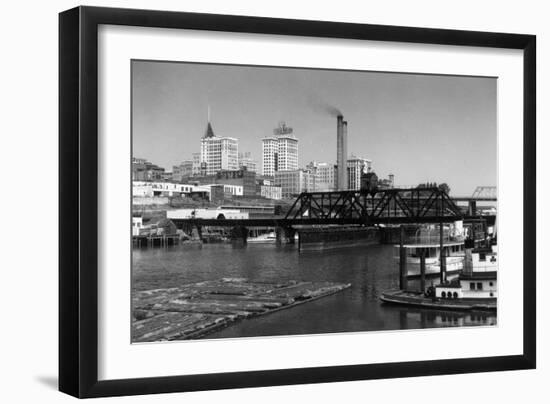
point(474, 289)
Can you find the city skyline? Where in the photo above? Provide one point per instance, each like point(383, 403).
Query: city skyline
point(420, 128)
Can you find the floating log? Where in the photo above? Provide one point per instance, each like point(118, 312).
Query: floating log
point(194, 310)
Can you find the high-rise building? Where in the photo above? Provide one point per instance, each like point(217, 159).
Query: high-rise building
point(325, 175)
point(280, 151)
point(218, 153)
point(356, 166)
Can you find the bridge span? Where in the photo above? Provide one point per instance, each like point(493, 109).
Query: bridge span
point(381, 207)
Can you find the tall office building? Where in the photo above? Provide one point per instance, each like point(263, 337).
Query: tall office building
point(218, 153)
point(355, 167)
point(280, 151)
point(325, 175)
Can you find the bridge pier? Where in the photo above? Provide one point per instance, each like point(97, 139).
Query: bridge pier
point(196, 232)
point(285, 235)
point(239, 233)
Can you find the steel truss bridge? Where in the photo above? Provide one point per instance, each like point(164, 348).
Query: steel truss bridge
point(388, 206)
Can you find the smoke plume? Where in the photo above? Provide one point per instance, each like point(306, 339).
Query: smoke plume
point(323, 107)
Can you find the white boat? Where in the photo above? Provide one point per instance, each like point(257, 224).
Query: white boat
point(478, 280)
point(427, 241)
point(475, 288)
point(263, 238)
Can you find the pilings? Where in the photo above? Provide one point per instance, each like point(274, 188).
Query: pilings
point(155, 241)
point(402, 261)
point(442, 257)
point(423, 271)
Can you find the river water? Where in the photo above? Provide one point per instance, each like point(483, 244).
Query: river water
point(370, 270)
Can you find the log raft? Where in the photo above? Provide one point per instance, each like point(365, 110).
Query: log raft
point(194, 310)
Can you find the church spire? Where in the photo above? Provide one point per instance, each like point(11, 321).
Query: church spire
point(209, 131)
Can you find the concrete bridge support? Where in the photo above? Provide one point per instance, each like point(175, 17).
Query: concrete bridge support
point(239, 233)
point(196, 233)
point(285, 235)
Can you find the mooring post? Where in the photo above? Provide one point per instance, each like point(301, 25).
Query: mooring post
point(423, 271)
point(442, 257)
point(402, 261)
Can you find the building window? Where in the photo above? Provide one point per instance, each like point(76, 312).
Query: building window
point(491, 294)
point(479, 286)
point(490, 283)
point(443, 295)
point(455, 295)
point(472, 286)
point(482, 256)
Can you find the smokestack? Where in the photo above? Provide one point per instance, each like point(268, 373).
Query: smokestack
point(345, 155)
point(339, 138)
point(341, 153)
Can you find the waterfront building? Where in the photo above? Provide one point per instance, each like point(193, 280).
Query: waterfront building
point(280, 151)
point(271, 192)
point(294, 182)
point(244, 178)
point(266, 188)
point(143, 170)
point(147, 189)
point(227, 189)
point(356, 167)
point(246, 161)
point(218, 153)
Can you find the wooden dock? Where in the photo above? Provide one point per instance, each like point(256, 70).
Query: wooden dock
point(193, 310)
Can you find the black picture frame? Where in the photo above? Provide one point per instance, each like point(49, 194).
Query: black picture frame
point(78, 200)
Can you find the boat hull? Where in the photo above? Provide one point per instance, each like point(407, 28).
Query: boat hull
point(418, 299)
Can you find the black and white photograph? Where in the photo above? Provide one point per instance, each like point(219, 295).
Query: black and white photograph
point(273, 201)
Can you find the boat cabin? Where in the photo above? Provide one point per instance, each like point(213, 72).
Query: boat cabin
point(478, 278)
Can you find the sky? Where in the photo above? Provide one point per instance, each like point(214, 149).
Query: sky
point(421, 128)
